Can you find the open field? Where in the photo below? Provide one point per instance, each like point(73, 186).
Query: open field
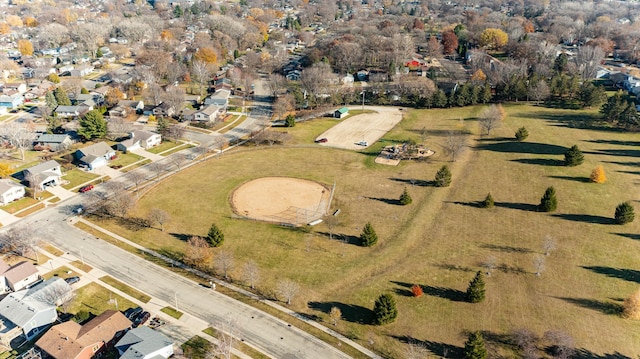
point(440, 240)
point(96, 299)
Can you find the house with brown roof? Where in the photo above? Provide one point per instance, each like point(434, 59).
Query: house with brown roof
point(71, 340)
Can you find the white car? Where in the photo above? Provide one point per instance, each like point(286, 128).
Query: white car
point(363, 143)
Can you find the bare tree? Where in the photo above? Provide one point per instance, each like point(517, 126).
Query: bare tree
point(174, 97)
point(178, 159)
point(548, 245)
point(538, 263)
point(198, 252)
point(588, 58)
point(157, 168)
point(117, 127)
point(489, 264)
point(287, 289)
point(19, 136)
point(175, 132)
point(227, 332)
point(282, 105)
point(159, 216)
point(454, 144)
point(218, 144)
point(201, 72)
point(527, 341)
point(335, 314)
point(251, 273)
point(224, 263)
point(33, 182)
point(540, 91)
point(415, 350)
point(58, 293)
point(332, 222)
point(276, 84)
point(137, 178)
point(491, 118)
point(20, 240)
point(561, 344)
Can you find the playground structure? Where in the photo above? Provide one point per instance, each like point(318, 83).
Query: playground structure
point(392, 155)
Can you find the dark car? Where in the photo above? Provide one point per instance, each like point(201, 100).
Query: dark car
point(141, 319)
point(132, 313)
point(86, 188)
point(322, 140)
point(72, 280)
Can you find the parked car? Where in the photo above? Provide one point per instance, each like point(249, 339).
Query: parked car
point(131, 313)
point(141, 319)
point(72, 280)
point(86, 188)
point(322, 140)
point(363, 143)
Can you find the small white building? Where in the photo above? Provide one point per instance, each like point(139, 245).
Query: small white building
point(10, 191)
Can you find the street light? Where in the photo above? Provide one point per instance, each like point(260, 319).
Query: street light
point(81, 256)
point(363, 100)
point(51, 262)
point(176, 296)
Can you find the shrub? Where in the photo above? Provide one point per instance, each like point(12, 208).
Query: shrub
point(476, 291)
point(488, 201)
point(290, 121)
point(416, 290)
point(215, 237)
point(598, 175)
point(368, 237)
point(81, 316)
point(474, 347)
point(573, 157)
point(548, 202)
point(405, 198)
point(631, 306)
point(624, 213)
point(522, 134)
point(443, 177)
point(385, 309)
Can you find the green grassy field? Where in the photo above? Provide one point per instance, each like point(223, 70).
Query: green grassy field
point(125, 159)
point(96, 299)
point(77, 177)
point(442, 238)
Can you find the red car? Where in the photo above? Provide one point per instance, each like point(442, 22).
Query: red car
point(322, 140)
point(86, 188)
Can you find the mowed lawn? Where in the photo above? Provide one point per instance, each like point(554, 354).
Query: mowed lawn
point(441, 239)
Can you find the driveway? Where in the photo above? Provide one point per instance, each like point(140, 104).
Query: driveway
point(60, 192)
point(107, 171)
point(7, 218)
point(146, 154)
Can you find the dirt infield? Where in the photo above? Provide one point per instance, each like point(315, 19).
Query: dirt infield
point(281, 200)
point(368, 127)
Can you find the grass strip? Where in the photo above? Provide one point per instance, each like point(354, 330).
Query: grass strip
point(82, 266)
point(172, 312)
point(238, 345)
point(176, 149)
point(126, 289)
point(135, 165)
point(51, 249)
point(30, 210)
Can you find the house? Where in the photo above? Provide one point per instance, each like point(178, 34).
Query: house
point(18, 276)
point(73, 111)
point(71, 340)
point(45, 174)
point(293, 75)
point(138, 139)
point(126, 107)
point(12, 101)
point(20, 88)
point(10, 191)
point(222, 83)
point(362, 75)
point(96, 155)
point(219, 98)
point(341, 112)
point(163, 110)
point(52, 142)
point(82, 70)
point(207, 114)
point(25, 313)
point(144, 343)
point(347, 79)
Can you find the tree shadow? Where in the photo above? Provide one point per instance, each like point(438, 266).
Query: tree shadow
point(350, 312)
point(439, 349)
point(393, 201)
point(174, 255)
point(573, 178)
point(617, 152)
point(181, 236)
point(601, 306)
point(510, 269)
point(524, 147)
point(615, 142)
point(345, 238)
point(585, 218)
point(519, 206)
point(451, 294)
point(455, 267)
point(405, 291)
point(540, 162)
point(633, 236)
point(587, 354)
point(630, 164)
point(626, 274)
point(630, 172)
point(476, 204)
point(414, 182)
point(495, 139)
point(507, 249)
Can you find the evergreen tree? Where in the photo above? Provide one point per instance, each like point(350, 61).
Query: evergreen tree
point(624, 213)
point(215, 237)
point(368, 237)
point(99, 53)
point(560, 64)
point(163, 125)
point(92, 125)
point(290, 121)
point(488, 201)
point(439, 99)
point(522, 134)
point(405, 198)
point(443, 177)
point(84, 91)
point(61, 97)
point(615, 106)
point(591, 95)
point(476, 291)
point(177, 11)
point(474, 347)
point(573, 157)
point(548, 202)
point(50, 100)
point(485, 93)
point(53, 124)
point(385, 309)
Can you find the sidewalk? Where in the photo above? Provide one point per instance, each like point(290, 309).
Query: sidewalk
point(179, 331)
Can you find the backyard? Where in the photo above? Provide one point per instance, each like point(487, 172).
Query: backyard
point(441, 239)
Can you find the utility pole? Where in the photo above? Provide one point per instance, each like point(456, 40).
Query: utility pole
point(176, 296)
point(362, 100)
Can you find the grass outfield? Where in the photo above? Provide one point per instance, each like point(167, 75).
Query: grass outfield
point(440, 240)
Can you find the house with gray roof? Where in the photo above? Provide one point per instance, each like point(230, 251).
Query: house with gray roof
point(45, 174)
point(207, 114)
point(10, 191)
point(220, 98)
point(144, 343)
point(73, 111)
point(96, 155)
point(52, 142)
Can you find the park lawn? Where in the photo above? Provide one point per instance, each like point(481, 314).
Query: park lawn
point(164, 146)
point(76, 177)
point(96, 299)
point(125, 159)
point(440, 240)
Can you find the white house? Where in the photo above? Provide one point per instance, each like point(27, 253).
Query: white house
point(138, 139)
point(96, 155)
point(144, 343)
point(12, 101)
point(10, 191)
point(45, 174)
point(82, 70)
point(207, 114)
point(18, 276)
point(220, 98)
point(72, 111)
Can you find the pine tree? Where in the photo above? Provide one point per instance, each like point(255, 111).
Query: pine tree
point(405, 198)
point(443, 177)
point(368, 237)
point(476, 291)
point(573, 157)
point(50, 100)
point(385, 309)
point(488, 201)
point(61, 97)
point(163, 125)
point(474, 347)
point(548, 202)
point(215, 237)
point(290, 121)
point(92, 125)
point(624, 213)
point(522, 134)
point(598, 175)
